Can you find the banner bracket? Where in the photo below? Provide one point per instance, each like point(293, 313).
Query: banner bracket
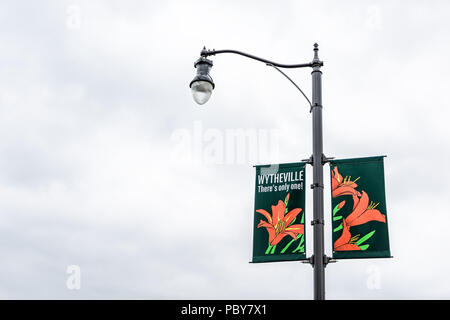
point(327, 260)
point(325, 159)
point(317, 221)
point(310, 260)
point(309, 160)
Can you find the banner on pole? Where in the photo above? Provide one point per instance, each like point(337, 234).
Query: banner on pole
point(279, 217)
point(358, 203)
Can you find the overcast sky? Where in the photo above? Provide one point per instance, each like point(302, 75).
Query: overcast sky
point(108, 164)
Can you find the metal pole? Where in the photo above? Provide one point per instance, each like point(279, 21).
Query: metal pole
point(319, 259)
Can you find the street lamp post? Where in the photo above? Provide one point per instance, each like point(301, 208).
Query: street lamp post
point(202, 86)
point(319, 259)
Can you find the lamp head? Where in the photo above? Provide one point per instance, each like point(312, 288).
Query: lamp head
point(202, 85)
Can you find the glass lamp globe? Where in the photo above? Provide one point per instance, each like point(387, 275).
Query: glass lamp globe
point(201, 91)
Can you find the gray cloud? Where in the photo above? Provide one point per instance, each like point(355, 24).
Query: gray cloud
point(87, 115)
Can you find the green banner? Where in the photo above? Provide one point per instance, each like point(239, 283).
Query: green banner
point(279, 221)
point(359, 219)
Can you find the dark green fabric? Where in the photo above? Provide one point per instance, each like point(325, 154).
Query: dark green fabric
point(274, 176)
point(371, 237)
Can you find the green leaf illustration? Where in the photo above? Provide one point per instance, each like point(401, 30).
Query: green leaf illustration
point(364, 247)
point(273, 249)
point(336, 209)
point(338, 228)
point(300, 245)
point(290, 242)
point(367, 236)
point(337, 218)
point(299, 249)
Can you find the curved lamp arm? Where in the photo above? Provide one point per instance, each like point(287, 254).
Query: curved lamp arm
point(206, 53)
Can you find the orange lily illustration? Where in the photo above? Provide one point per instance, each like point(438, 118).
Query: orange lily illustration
point(278, 224)
point(343, 186)
point(364, 212)
point(346, 242)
